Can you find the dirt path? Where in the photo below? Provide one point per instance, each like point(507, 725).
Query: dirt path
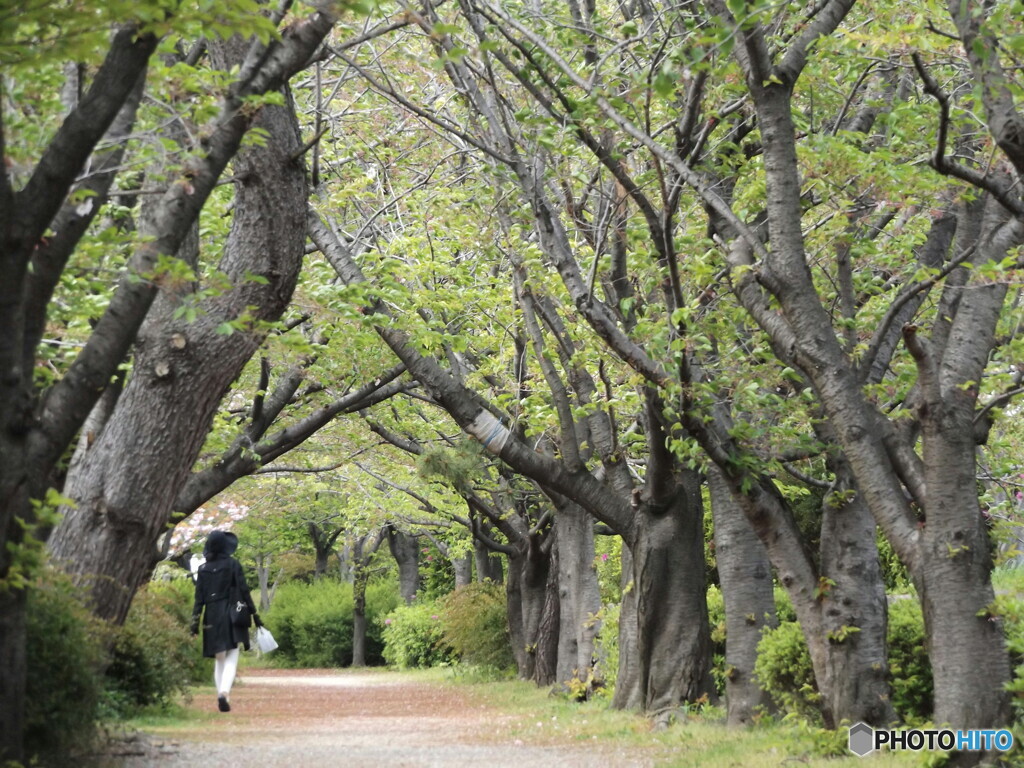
point(313, 718)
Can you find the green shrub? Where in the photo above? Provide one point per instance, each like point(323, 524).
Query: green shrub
point(475, 619)
point(312, 623)
point(606, 650)
point(413, 637)
point(64, 659)
point(152, 659)
point(784, 666)
point(909, 670)
point(783, 669)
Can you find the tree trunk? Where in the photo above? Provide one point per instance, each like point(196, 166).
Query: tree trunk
point(488, 564)
point(13, 672)
point(263, 563)
point(359, 619)
point(126, 484)
point(745, 576)
point(345, 568)
point(516, 626)
point(547, 642)
point(526, 591)
point(854, 608)
point(405, 549)
point(578, 592)
point(463, 567)
point(674, 638)
point(965, 643)
point(627, 682)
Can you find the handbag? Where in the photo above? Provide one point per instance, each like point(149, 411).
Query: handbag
point(265, 641)
point(238, 609)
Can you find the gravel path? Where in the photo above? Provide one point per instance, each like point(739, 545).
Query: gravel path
point(313, 718)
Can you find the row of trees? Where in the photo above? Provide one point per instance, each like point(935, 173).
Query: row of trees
point(623, 248)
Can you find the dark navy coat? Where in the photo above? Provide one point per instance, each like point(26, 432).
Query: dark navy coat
point(213, 583)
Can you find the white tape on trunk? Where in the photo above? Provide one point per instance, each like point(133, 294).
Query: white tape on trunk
point(489, 431)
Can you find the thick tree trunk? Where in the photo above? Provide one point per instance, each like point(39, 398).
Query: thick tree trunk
point(488, 563)
point(405, 549)
point(578, 592)
point(514, 609)
point(126, 484)
point(627, 682)
point(965, 644)
point(13, 673)
point(546, 643)
point(674, 638)
point(463, 567)
point(526, 592)
point(745, 576)
point(854, 608)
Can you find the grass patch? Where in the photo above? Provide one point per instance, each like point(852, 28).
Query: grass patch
point(699, 739)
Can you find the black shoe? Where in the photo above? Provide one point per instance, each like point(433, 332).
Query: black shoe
point(222, 703)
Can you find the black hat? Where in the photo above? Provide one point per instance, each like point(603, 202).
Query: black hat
point(220, 543)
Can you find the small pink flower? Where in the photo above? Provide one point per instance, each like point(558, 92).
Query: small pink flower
point(434, 617)
point(387, 621)
point(604, 557)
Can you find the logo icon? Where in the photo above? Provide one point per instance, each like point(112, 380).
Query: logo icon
point(862, 740)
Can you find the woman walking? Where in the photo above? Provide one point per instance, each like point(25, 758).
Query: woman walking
point(219, 578)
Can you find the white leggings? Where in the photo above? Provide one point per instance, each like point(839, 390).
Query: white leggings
point(224, 667)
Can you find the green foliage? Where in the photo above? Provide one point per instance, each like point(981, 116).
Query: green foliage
point(28, 554)
point(475, 622)
point(153, 659)
point(909, 670)
point(312, 623)
point(64, 657)
point(414, 637)
point(784, 666)
point(784, 670)
point(437, 575)
point(606, 650)
point(1009, 607)
point(608, 563)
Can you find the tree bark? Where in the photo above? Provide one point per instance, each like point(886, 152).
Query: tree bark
point(463, 566)
point(579, 594)
point(547, 642)
point(363, 548)
point(745, 575)
point(405, 549)
point(488, 564)
point(674, 637)
point(854, 607)
point(627, 682)
point(125, 486)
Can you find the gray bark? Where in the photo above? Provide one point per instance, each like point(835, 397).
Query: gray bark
point(363, 549)
point(125, 487)
point(745, 575)
point(488, 564)
point(405, 549)
point(674, 637)
point(579, 595)
point(463, 566)
point(547, 642)
point(627, 682)
point(33, 434)
point(854, 607)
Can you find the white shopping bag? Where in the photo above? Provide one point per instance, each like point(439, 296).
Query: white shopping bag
point(264, 640)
